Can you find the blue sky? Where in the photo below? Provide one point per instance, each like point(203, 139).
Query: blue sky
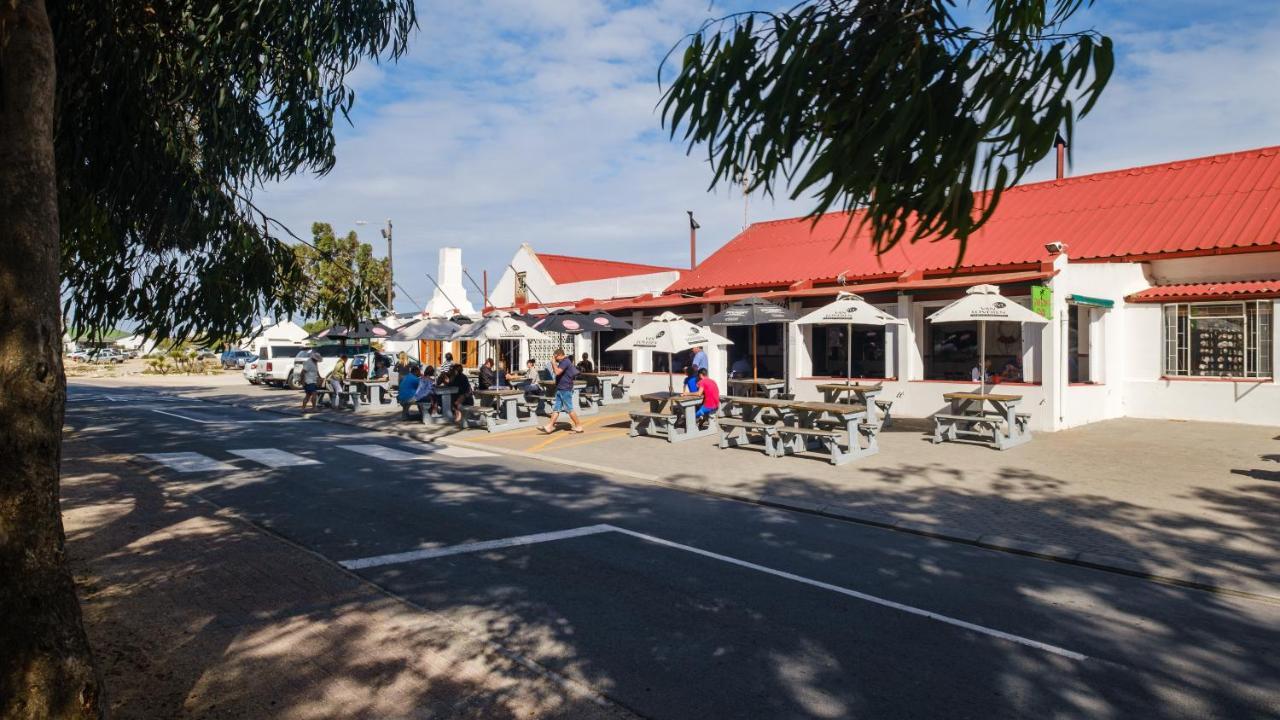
point(535, 122)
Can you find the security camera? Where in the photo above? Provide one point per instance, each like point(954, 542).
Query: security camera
point(1055, 248)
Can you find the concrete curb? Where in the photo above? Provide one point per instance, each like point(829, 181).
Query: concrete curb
point(1131, 567)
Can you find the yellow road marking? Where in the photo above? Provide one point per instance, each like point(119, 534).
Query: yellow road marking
point(561, 434)
point(594, 437)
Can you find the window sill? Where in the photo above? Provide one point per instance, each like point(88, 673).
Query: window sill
point(1194, 378)
point(1086, 384)
point(975, 382)
point(828, 378)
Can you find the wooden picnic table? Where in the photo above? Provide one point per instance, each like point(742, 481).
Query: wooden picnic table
point(752, 408)
point(769, 387)
point(505, 415)
point(864, 394)
point(671, 415)
point(365, 388)
point(1007, 427)
point(604, 382)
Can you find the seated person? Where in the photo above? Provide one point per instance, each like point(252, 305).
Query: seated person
point(380, 369)
point(584, 365)
point(359, 369)
point(458, 379)
point(408, 392)
point(741, 368)
point(529, 381)
point(486, 375)
point(977, 375)
point(1011, 372)
point(500, 375)
point(426, 393)
point(690, 379)
point(710, 393)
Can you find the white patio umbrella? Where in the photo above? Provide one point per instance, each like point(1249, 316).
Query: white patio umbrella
point(498, 325)
point(980, 304)
point(668, 333)
point(427, 328)
point(849, 310)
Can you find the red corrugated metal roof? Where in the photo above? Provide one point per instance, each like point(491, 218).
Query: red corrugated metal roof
point(1209, 291)
point(915, 284)
point(567, 269)
point(1211, 204)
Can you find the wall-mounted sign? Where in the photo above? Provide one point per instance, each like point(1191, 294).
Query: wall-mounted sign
point(1042, 301)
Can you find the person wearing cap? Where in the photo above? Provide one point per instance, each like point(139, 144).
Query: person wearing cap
point(699, 361)
point(311, 380)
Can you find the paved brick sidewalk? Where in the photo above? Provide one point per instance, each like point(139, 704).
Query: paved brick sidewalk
point(194, 614)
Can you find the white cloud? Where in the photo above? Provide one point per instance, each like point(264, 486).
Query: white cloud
point(535, 122)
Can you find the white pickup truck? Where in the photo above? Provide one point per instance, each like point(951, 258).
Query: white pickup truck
point(276, 361)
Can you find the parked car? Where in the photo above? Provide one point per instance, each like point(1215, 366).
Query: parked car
point(235, 358)
point(105, 355)
point(275, 362)
point(252, 372)
point(206, 354)
point(78, 355)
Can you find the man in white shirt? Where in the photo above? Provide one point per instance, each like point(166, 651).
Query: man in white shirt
point(311, 380)
point(699, 361)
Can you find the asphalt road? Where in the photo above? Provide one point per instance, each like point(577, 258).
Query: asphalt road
point(680, 606)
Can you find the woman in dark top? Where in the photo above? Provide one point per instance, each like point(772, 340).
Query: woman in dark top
point(459, 381)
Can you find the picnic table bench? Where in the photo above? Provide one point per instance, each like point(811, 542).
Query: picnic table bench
point(735, 433)
point(768, 387)
point(366, 389)
point(499, 410)
point(338, 400)
point(861, 394)
point(670, 415)
point(754, 409)
point(604, 383)
point(1002, 428)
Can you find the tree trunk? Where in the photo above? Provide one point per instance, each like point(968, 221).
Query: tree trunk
point(46, 668)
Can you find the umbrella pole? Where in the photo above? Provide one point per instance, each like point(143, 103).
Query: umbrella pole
point(670, 381)
point(755, 370)
point(982, 356)
point(848, 353)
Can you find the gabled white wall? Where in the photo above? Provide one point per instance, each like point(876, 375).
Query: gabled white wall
point(543, 288)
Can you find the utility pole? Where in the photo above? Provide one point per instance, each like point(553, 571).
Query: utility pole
point(391, 275)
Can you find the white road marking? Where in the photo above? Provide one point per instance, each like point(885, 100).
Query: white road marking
point(992, 632)
point(271, 457)
point(382, 452)
point(185, 462)
point(481, 546)
point(220, 422)
point(460, 452)
point(424, 554)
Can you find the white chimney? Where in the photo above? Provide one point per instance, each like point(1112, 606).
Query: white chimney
point(451, 296)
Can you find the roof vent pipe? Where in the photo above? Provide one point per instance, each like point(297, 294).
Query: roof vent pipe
point(693, 241)
point(1061, 145)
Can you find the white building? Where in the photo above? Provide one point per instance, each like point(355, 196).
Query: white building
point(285, 332)
point(1162, 298)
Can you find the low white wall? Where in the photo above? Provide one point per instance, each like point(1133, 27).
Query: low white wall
point(1249, 402)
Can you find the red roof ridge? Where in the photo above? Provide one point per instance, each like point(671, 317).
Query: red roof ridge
point(1078, 179)
point(579, 258)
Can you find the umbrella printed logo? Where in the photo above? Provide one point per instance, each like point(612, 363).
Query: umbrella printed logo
point(380, 332)
point(572, 325)
point(999, 304)
point(602, 322)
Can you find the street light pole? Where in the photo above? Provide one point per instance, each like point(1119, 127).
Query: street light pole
point(391, 275)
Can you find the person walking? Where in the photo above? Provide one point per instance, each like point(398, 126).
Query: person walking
point(311, 380)
point(336, 377)
point(566, 373)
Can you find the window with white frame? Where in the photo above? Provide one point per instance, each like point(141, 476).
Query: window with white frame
point(1218, 339)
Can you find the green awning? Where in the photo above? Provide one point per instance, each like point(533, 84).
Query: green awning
point(1091, 301)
